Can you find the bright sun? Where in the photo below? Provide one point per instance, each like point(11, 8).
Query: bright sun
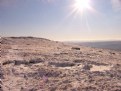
point(81, 5)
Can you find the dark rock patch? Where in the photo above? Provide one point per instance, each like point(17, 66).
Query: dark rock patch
point(78, 61)
point(114, 74)
point(19, 62)
point(51, 73)
point(87, 67)
point(75, 48)
point(97, 73)
point(63, 53)
point(1, 89)
point(84, 61)
point(64, 64)
point(35, 61)
point(44, 72)
point(7, 62)
point(1, 73)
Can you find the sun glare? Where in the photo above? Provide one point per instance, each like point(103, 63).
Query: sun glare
point(81, 4)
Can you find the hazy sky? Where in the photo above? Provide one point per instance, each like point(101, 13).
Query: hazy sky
point(61, 20)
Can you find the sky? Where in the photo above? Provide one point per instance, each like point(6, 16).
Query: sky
point(61, 20)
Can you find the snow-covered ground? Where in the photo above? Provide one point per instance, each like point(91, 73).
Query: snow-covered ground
point(37, 64)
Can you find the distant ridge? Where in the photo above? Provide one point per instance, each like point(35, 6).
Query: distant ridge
point(25, 37)
point(25, 40)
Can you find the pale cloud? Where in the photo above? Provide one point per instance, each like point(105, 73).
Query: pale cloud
point(116, 5)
